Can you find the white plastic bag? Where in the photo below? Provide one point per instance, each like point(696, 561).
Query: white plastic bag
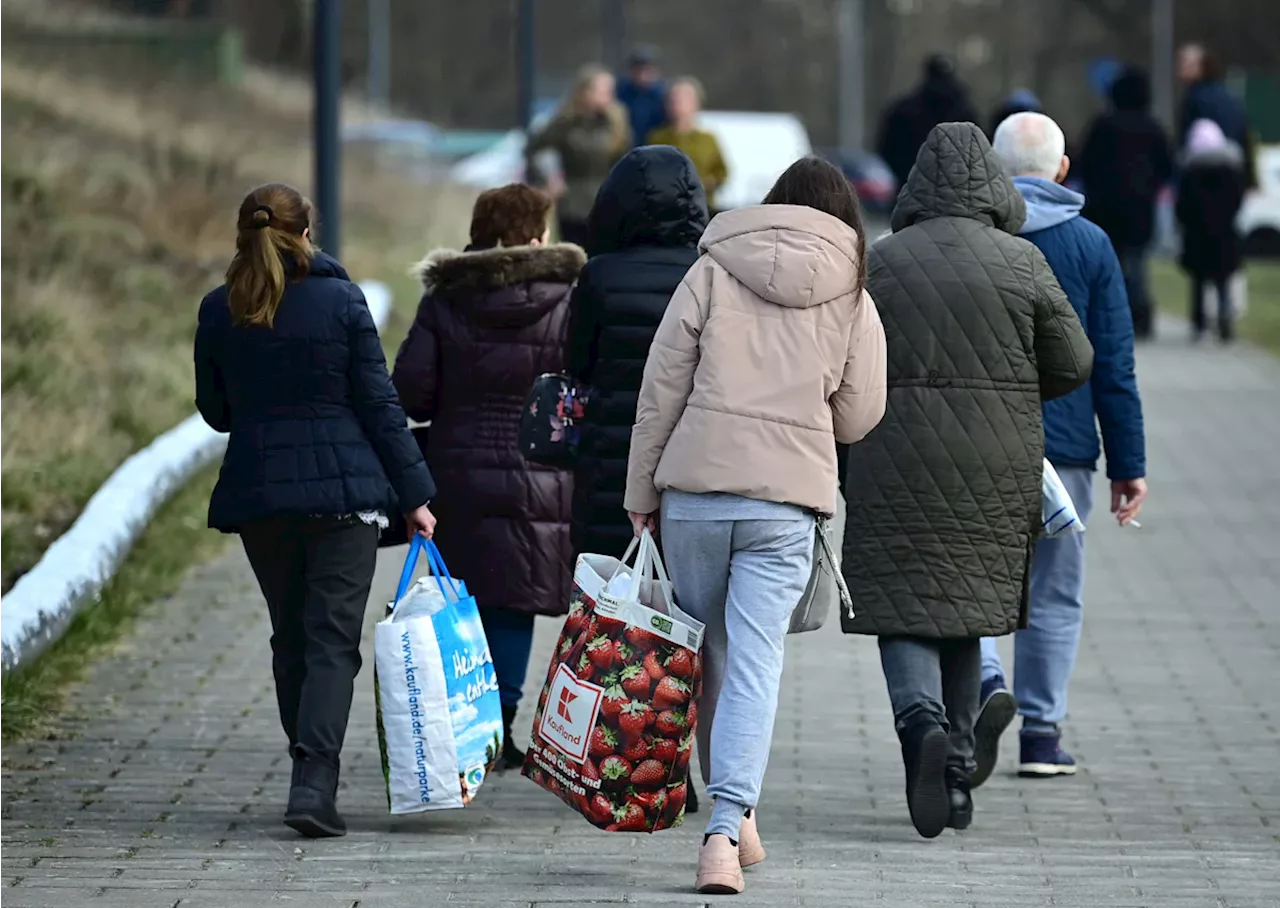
point(1057, 509)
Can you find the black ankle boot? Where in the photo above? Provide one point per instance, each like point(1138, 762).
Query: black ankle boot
point(512, 756)
point(312, 809)
point(924, 757)
point(961, 800)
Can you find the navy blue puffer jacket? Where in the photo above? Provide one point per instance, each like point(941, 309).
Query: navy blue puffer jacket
point(316, 427)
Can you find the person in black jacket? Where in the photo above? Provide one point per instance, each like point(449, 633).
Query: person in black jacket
point(941, 98)
point(288, 361)
point(1123, 166)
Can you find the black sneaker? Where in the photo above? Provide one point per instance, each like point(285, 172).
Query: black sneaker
point(512, 756)
point(998, 711)
point(1042, 756)
point(924, 757)
point(958, 786)
point(312, 809)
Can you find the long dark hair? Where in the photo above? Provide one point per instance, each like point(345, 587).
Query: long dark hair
point(819, 184)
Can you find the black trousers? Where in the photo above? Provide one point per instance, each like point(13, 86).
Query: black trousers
point(315, 573)
point(1226, 312)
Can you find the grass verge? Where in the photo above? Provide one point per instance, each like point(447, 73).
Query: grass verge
point(178, 537)
point(1260, 325)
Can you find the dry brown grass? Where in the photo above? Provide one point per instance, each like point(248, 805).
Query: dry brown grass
point(118, 203)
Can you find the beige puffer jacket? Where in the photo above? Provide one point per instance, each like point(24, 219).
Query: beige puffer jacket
point(765, 359)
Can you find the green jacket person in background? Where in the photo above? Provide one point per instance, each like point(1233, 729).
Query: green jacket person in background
point(684, 101)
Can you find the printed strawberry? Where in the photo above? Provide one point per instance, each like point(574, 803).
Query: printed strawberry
point(553, 785)
point(680, 663)
point(671, 691)
point(589, 774)
point(601, 652)
point(636, 682)
point(610, 627)
point(586, 668)
point(643, 639)
point(684, 752)
point(576, 619)
point(637, 749)
point(614, 773)
point(612, 702)
point(677, 795)
point(600, 809)
point(649, 774)
point(624, 651)
point(670, 723)
point(665, 750)
point(582, 804)
point(653, 665)
point(628, 818)
point(635, 718)
point(691, 716)
point(604, 742)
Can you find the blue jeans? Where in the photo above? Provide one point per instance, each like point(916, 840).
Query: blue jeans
point(1044, 653)
point(1133, 265)
point(510, 636)
point(936, 681)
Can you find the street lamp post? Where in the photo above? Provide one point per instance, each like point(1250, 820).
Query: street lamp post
point(325, 53)
point(526, 38)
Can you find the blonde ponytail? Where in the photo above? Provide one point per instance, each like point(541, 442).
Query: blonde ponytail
point(271, 234)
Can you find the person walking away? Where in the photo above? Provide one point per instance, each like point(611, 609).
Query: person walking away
point(492, 319)
point(642, 92)
point(940, 98)
point(644, 230)
point(1208, 98)
point(684, 100)
point(1124, 164)
point(1085, 264)
point(288, 361)
point(1210, 195)
point(769, 355)
point(944, 496)
point(1020, 100)
point(589, 133)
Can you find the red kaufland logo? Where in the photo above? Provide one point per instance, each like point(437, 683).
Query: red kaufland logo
point(569, 731)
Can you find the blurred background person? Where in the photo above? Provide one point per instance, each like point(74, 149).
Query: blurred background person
point(685, 98)
point(1020, 100)
point(589, 133)
point(1124, 163)
point(940, 98)
point(1210, 193)
point(288, 361)
point(642, 92)
point(492, 319)
point(1207, 97)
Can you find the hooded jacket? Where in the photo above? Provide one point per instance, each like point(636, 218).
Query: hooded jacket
point(768, 356)
point(1085, 264)
point(489, 323)
point(644, 229)
point(944, 495)
point(1210, 195)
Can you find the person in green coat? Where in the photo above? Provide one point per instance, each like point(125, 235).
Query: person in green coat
point(944, 499)
point(684, 102)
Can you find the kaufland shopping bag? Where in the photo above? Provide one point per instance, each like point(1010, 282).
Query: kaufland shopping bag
point(439, 719)
point(615, 725)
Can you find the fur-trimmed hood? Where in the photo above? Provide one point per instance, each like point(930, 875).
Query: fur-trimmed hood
point(504, 286)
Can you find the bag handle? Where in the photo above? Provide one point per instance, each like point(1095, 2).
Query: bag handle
point(626, 556)
point(416, 545)
point(435, 564)
point(846, 598)
point(441, 572)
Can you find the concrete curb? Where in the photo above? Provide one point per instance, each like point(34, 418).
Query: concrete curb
point(76, 567)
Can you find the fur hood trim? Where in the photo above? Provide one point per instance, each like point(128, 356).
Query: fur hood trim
point(446, 270)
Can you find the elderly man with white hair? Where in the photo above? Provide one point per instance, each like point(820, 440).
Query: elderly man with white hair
point(1082, 258)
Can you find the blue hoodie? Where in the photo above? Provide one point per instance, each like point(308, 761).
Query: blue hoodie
point(1086, 266)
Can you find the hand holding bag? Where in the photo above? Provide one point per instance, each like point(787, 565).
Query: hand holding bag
point(826, 584)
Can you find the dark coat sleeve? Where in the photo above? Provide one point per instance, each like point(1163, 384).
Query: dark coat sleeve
point(584, 328)
point(417, 372)
point(211, 392)
point(1064, 356)
point(1114, 385)
point(375, 403)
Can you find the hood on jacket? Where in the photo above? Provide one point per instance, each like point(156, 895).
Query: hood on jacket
point(652, 197)
point(506, 285)
point(957, 174)
point(1131, 91)
point(1048, 203)
point(790, 255)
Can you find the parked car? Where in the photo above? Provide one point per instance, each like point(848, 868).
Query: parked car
point(871, 177)
point(1259, 220)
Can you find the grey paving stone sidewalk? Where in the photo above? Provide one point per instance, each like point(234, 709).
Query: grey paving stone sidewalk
point(164, 785)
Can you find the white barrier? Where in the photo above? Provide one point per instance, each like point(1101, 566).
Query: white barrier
point(76, 567)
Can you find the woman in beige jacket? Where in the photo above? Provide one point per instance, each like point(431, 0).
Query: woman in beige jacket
point(769, 354)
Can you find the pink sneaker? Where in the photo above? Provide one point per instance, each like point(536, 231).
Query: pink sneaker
point(750, 849)
point(719, 872)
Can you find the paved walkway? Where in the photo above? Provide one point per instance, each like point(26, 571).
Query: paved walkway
point(165, 786)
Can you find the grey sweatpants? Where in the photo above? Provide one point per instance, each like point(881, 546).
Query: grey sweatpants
point(742, 578)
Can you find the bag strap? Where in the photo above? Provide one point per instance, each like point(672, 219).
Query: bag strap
point(626, 556)
point(416, 545)
point(441, 572)
point(846, 598)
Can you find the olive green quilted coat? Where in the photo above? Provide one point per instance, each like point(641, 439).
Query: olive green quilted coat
point(944, 495)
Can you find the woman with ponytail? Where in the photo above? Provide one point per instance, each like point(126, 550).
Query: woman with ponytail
point(288, 361)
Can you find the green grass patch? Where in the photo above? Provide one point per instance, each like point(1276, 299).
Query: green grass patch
point(1261, 322)
point(178, 537)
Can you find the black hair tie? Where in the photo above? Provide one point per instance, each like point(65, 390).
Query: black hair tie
point(258, 224)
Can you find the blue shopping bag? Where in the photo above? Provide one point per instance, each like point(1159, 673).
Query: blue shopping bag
point(439, 717)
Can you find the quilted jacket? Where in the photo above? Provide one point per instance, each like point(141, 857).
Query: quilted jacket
point(944, 495)
point(491, 321)
point(315, 425)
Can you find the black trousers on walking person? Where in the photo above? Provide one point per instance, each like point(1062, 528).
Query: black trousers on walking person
point(315, 573)
point(937, 681)
point(1226, 312)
